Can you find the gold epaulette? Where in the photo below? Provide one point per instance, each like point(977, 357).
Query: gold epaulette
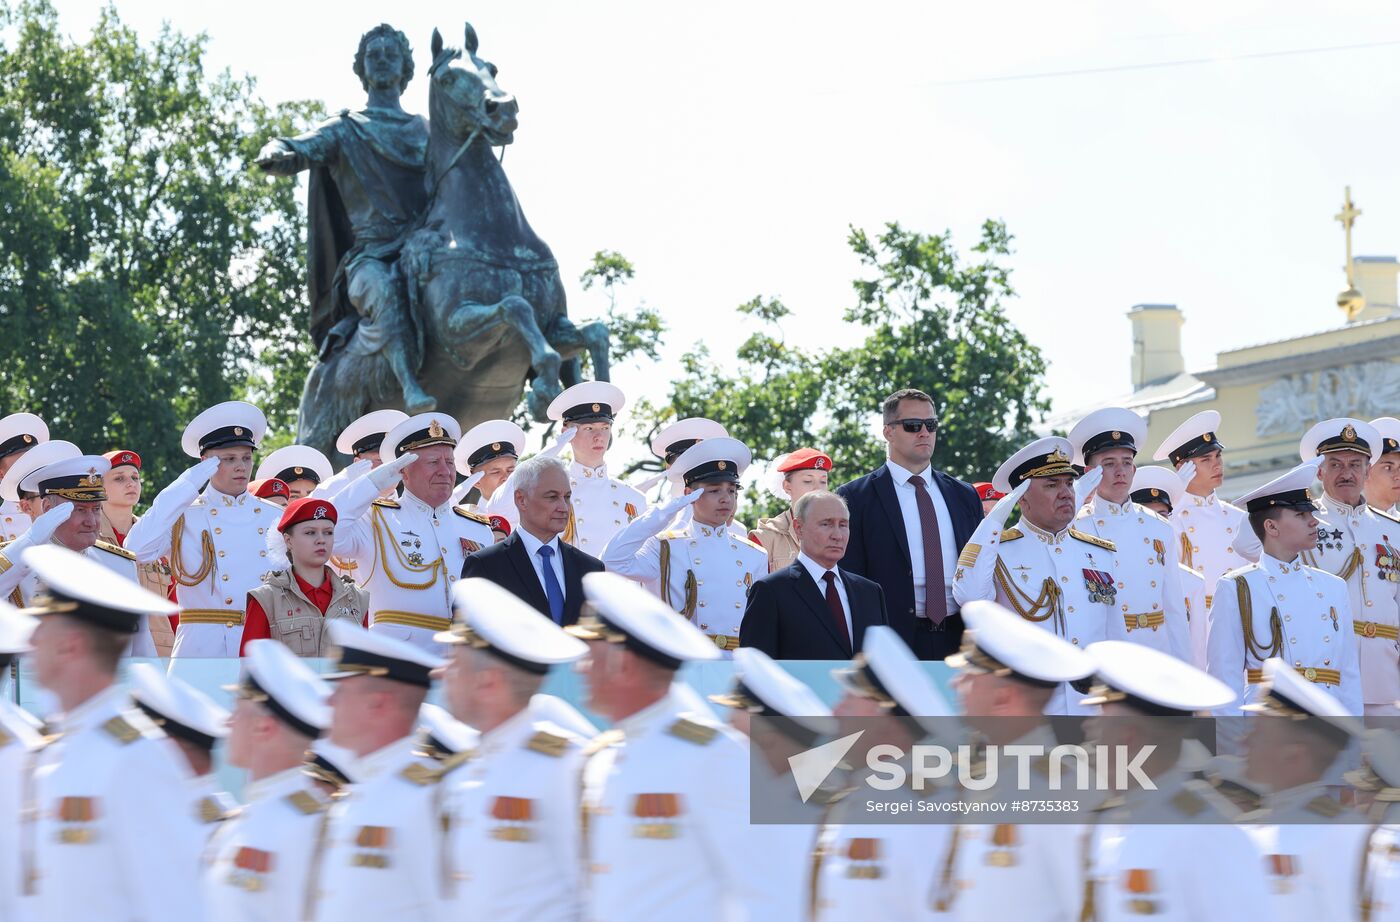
point(456, 759)
point(1188, 803)
point(1385, 515)
point(466, 513)
point(418, 773)
point(211, 811)
point(386, 503)
point(124, 732)
point(1011, 534)
point(671, 535)
point(114, 549)
point(743, 539)
point(602, 741)
point(1242, 797)
point(306, 802)
point(1093, 539)
point(548, 744)
point(1324, 806)
point(693, 732)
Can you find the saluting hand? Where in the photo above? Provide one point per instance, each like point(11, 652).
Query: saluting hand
point(390, 473)
point(676, 504)
point(1187, 473)
point(564, 438)
point(1085, 486)
point(199, 474)
point(1002, 510)
point(42, 528)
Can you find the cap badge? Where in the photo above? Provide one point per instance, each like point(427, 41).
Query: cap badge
point(91, 480)
point(821, 464)
point(28, 439)
point(237, 430)
point(320, 513)
point(495, 446)
point(1156, 492)
point(1117, 434)
point(297, 471)
point(597, 407)
point(435, 429)
point(721, 464)
point(1057, 457)
point(1208, 437)
point(1348, 433)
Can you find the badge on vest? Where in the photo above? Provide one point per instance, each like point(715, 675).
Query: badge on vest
point(655, 810)
point(1100, 586)
point(77, 810)
point(376, 838)
point(513, 814)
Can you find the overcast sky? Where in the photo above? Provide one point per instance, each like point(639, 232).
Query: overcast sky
point(725, 147)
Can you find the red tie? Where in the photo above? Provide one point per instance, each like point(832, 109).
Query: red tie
point(935, 600)
point(833, 602)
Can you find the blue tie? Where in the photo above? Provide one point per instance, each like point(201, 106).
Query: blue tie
point(552, 590)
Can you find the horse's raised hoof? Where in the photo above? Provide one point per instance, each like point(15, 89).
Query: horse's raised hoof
point(420, 402)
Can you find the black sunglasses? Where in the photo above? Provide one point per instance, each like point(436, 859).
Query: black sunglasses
point(914, 425)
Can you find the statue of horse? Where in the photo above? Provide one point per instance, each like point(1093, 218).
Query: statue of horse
point(484, 290)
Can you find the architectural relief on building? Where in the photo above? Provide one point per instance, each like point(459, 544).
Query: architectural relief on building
point(1294, 402)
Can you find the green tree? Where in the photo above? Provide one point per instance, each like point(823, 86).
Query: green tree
point(923, 317)
point(636, 333)
point(145, 271)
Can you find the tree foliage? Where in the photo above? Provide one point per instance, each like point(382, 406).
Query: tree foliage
point(145, 271)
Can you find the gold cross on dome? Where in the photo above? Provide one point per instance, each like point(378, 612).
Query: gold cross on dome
point(1350, 301)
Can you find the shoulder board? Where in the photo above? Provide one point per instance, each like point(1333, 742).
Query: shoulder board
point(548, 744)
point(305, 802)
point(743, 539)
point(386, 503)
point(122, 730)
point(418, 773)
point(1239, 795)
point(603, 741)
point(466, 513)
point(1188, 803)
point(671, 535)
point(212, 810)
point(1385, 515)
point(1324, 806)
point(115, 549)
point(693, 732)
point(456, 760)
point(1011, 534)
point(1093, 539)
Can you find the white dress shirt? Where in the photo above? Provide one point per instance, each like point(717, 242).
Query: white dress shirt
point(532, 547)
point(909, 510)
point(818, 573)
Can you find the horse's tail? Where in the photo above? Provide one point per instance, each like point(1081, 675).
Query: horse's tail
point(338, 391)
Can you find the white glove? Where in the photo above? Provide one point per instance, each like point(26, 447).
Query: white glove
point(1085, 486)
point(564, 438)
point(199, 475)
point(389, 474)
point(1002, 510)
point(42, 528)
point(465, 487)
point(676, 504)
point(1187, 473)
point(650, 482)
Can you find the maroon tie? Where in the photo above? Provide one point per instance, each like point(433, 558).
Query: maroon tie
point(935, 600)
point(833, 602)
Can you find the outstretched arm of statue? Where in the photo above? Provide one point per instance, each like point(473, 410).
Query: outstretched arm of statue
point(288, 156)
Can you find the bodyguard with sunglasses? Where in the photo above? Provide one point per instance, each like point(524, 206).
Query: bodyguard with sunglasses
point(908, 523)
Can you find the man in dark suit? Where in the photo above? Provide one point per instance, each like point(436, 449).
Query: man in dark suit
point(533, 563)
point(813, 609)
point(909, 522)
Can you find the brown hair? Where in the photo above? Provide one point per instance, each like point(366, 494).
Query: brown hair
point(891, 405)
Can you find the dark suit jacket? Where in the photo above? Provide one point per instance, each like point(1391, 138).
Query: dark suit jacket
point(787, 616)
point(508, 564)
point(879, 550)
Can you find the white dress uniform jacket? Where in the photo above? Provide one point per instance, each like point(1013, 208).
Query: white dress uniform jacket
point(408, 557)
point(515, 820)
point(19, 744)
point(19, 585)
point(1215, 537)
point(111, 842)
point(1362, 547)
point(13, 522)
point(703, 572)
point(1193, 586)
point(219, 547)
point(1150, 598)
point(602, 506)
point(1288, 610)
point(1169, 871)
point(386, 849)
point(1312, 854)
point(667, 819)
point(261, 867)
point(1064, 582)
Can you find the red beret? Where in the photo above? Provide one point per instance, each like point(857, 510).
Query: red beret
point(987, 491)
point(268, 486)
point(501, 524)
point(805, 459)
point(123, 456)
point(306, 509)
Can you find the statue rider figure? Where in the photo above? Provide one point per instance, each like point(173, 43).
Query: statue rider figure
point(366, 189)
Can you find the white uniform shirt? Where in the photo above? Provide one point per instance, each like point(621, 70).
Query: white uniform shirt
point(1312, 854)
point(667, 820)
point(1362, 546)
point(702, 571)
point(1062, 582)
point(224, 549)
point(261, 865)
point(1187, 871)
point(1215, 537)
point(1151, 602)
point(1313, 625)
point(409, 555)
point(19, 743)
point(908, 498)
point(113, 838)
point(1193, 586)
point(602, 506)
point(515, 813)
point(1381, 887)
point(13, 522)
point(386, 844)
point(19, 585)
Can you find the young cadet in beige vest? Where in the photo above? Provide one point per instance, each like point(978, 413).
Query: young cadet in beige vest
point(799, 473)
point(293, 606)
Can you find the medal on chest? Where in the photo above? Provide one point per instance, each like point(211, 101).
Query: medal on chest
point(1099, 583)
point(413, 546)
point(1387, 560)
